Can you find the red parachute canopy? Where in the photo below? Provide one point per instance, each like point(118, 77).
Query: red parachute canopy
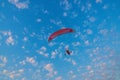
point(59, 32)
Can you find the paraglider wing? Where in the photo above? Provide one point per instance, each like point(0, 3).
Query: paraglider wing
point(59, 32)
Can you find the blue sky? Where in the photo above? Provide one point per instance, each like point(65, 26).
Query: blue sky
point(25, 53)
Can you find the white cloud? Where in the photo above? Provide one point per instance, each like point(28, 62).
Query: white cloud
point(89, 5)
point(48, 67)
point(88, 67)
point(45, 11)
point(43, 54)
point(72, 75)
point(12, 74)
point(21, 70)
point(58, 78)
point(92, 19)
point(83, 8)
point(51, 71)
point(43, 48)
point(22, 62)
point(31, 60)
point(76, 43)
point(23, 47)
point(53, 54)
point(98, 1)
point(78, 34)
point(105, 6)
point(5, 33)
point(66, 46)
point(16, 19)
point(65, 14)
point(42, 51)
point(25, 39)
point(56, 22)
point(103, 31)
point(73, 62)
point(52, 44)
point(3, 61)
point(87, 42)
point(66, 5)
point(39, 20)
point(20, 5)
point(10, 40)
point(89, 31)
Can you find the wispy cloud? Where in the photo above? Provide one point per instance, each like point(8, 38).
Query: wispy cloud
point(98, 1)
point(43, 51)
point(38, 20)
point(103, 32)
point(89, 31)
point(12, 74)
point(10, 40)
point(76, 43)
point(25, 39)
point(3, 61)
point(50, 69)
point(65, 4)
point(73, 62)
point(92, 19)
point(53, 54)
point(20, 5)
point(31, 60)
point(58, 78)
point(65, 14)
point(72, 74)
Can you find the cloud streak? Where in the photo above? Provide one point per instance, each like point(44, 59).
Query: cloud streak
point(50, 69)
point(20, 5)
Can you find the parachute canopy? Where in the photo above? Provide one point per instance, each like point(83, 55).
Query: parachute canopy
point(60, 32)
